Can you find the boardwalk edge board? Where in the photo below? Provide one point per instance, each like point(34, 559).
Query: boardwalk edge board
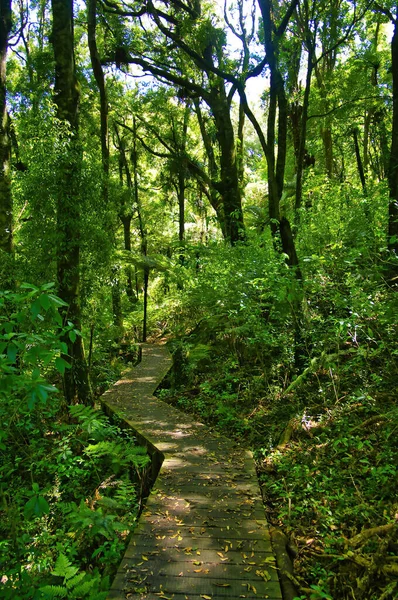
point(203, 532)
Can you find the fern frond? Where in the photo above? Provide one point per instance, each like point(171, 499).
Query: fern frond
point(74, 581)
point(53, 591)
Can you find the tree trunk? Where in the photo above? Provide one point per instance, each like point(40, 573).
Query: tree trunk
point(66, 97)
point(126, 215)
point(213, 194)
point(5, 154)
point(229, 180)
point(100, 79)
point(182, 183)
point(366, 129)
point(240, 145)
point(359, 161)
point(142, 228)
point(303, 130)
point(126, 220)
point(393, 166)
point(116, 302)
point(277, 130)
point(327, 140)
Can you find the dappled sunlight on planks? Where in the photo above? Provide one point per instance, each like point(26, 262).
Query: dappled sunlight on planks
point(203, 532)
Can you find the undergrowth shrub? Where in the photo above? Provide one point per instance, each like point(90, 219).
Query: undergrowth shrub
point(70, 479)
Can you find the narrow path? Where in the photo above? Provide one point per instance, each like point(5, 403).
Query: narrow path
point(203, 533)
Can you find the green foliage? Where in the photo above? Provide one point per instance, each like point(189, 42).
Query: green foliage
point(75, 584)
point(37, 506)
point(255, 351)
point(235, 328)
point(75, 509)
point(30, 343)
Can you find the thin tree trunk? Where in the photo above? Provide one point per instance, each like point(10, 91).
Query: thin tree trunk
point(6, 244)
point(327, 140)
point(366, 128)
point(126, 220)
point(393, 166)
point(142, 230)
point(66, 97)
point(303, 130)
point(213, 195)
point(116, 302)
point(100, 79)
point(359, 161)
point(126, 216)
point(182, 183)
point(240, 146)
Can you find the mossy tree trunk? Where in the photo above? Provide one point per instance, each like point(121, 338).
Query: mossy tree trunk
point(393, 167)
point(66, 98)
point(5, 154)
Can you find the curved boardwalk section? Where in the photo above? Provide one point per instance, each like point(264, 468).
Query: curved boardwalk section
point(203, 533)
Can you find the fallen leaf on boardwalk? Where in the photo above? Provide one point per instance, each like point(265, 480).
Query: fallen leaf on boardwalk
point(197, 570)
point(220, 554)
point(244, 555)
point(270, 559)
point(226, 548)
point(179, 538)
point(264, 574)
point(205, 597)
point(247, 569)
point(144, 557)
point(198, 552)
point(224, 559)
point(197, 562)
point(223, 585)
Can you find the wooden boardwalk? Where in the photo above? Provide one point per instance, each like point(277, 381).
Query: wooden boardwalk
point(203, 533)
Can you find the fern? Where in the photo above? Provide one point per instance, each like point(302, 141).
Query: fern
point(53, 591)
point(103, 448)
point(76, 585)
point(138, 456)
point(93, 422)
point(84, 588)
point(64, 568)
point(75, 580)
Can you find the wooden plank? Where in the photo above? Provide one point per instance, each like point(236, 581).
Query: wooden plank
point(134, 555)
point(203, 533)
point(202, 543)
point(249, 529)
point(137, 583)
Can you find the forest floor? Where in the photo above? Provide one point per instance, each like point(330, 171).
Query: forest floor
point(326, 460)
